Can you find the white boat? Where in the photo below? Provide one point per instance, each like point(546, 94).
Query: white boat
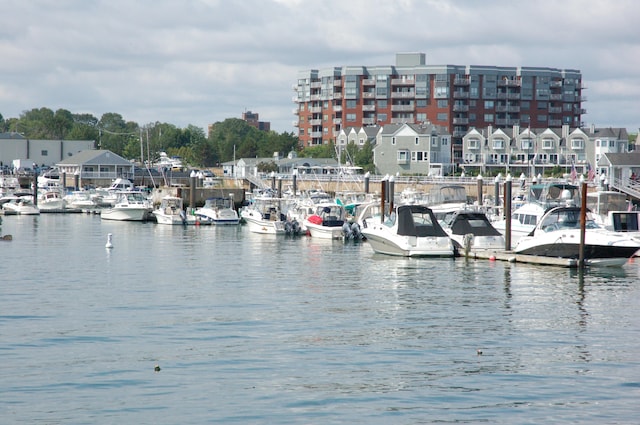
point(557, 234)
point(264, 215)
point(445, 199)
point(109, 196)
point(327, 221)
point(613, 211)
point(219, 211)
point(172, 212)
point(21, 206)
point(540, 198)
point(81, 199)
point(472, 230)
point(51, 200)
point(410, 231)
point(130, 205)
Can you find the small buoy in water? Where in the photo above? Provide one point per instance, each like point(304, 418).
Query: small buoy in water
point(109, 242)
point(157, 368)
point(492, 258)
point(479, 352)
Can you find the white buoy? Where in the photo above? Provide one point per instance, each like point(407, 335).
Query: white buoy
point(109, 242)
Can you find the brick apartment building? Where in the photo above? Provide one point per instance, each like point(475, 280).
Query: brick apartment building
point(456, 97)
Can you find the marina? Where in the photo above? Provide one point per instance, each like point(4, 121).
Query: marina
point(251, 328)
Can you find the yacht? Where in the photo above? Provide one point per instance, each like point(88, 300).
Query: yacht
point(409, 231)
point(171, 212)
point(472, 230)
point(558, 234)
point(264, 215)
point(219, 211)
point(130, 205)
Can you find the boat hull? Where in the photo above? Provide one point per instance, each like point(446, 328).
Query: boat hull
point(324, 232)
point(410, 246)
point(265, 226)
point(124, 214)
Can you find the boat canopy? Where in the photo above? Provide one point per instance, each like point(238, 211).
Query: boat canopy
point(475, 223)
point(417, 220)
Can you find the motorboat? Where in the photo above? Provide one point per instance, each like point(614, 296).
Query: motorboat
point(613, 211)
point(219, 211)
point(130, 205)
point(110, 195)
point(471, 230)
point(445, 199)
point(264, 215)
point(409, 231)
point(558, 235)
point(20, 205)
point(51, 200)
point(171, 212)
point(327, 221)
point(81, 199)
point(540, 198)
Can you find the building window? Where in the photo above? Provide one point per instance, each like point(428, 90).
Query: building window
point(442, 116)
point(421, 117)
point(474, 144)
point(44, 153)
point(325, 117)
point(351, 117)
point(325, 130)
point(421, 103)
point(542, 118)
point(527, 144)
point(382, 117)
point(443, 103)
point(417, 140)
point(577, 144)
point(434, 141)
point(498, 144)
point(403, 157)
point(547, 144)
point(488, 117)
point(393, 140)
point(488, 104)
point(382, 103)
point(351, 104)
point(361, 140)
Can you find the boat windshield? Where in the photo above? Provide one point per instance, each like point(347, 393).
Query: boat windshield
point(565, 218)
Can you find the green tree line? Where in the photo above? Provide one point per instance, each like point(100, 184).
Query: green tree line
point(230, 138)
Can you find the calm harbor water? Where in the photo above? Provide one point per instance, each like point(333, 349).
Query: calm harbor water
point(258, 329)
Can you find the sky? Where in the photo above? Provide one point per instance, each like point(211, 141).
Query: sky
point(197, 62)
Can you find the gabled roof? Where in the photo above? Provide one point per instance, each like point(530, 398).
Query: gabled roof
point(95, 157)
point(11, 135)
point(627, 158)
point(608, 132)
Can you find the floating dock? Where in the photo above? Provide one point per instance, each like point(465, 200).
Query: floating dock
point(512, 257)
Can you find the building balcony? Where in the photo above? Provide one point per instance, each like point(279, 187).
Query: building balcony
point(296, 123)
point(337, 83)
point(461, 95)
point(555, 110)
point(555, 123)
point(368, 95)
point(368, 108)
point(459, 133)
point(461, 82)
point(463, 121)
point(402, 82)
point(368, 121)
point(368, 82)
point(315, 109)
point(402, 108)
point(509, 83)
point(555, 97)
point(337, 108)
point(337, 95)
point(315, 122)
point(402, 95)
point(460, 108)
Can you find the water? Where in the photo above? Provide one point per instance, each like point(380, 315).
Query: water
point(256, 329)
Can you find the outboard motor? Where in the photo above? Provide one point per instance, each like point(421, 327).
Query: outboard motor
point(346, 231)
point(355, 230)
point(183, 216)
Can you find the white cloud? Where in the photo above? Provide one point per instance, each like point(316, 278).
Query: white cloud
point(198, 62)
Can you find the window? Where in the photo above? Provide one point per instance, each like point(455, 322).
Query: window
point(403, 157)
point(382, 117)
point(382, 103)
point(393, 140)
point(498, 144)
point(488, 117)
point(417, 140)
point(443, 103)
point(527, 144)
point(434, 141)
point(442, 116)
point(474, 144)
point(325, 130)
point(351, 104)
point(44, 153)
point(421, 103)
point(577, 144)
point(361, 141)
point(351, 117)
point(421, 117)
point(488, 104)
point(547, 144)
point(325, 117)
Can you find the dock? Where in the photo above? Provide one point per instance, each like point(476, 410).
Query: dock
point(512, 257)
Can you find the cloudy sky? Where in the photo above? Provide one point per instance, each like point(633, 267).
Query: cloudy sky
point(199, 62)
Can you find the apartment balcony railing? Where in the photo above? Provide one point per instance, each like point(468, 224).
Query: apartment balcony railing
point(402, 82)
point(368, 121)
point(337, 95)
point(316, 85)
point(458, 120)
point(555, 110)
point(368, 108)
point(368, 95)
point(315, 122)
point(461, 95)
point(337, 83)
point(402, 94)
point(369, 82)
point(460, 108)
point(402, 108)
point(315, 109)
point(461, 81)
point(337, 108)
point(555, 97)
